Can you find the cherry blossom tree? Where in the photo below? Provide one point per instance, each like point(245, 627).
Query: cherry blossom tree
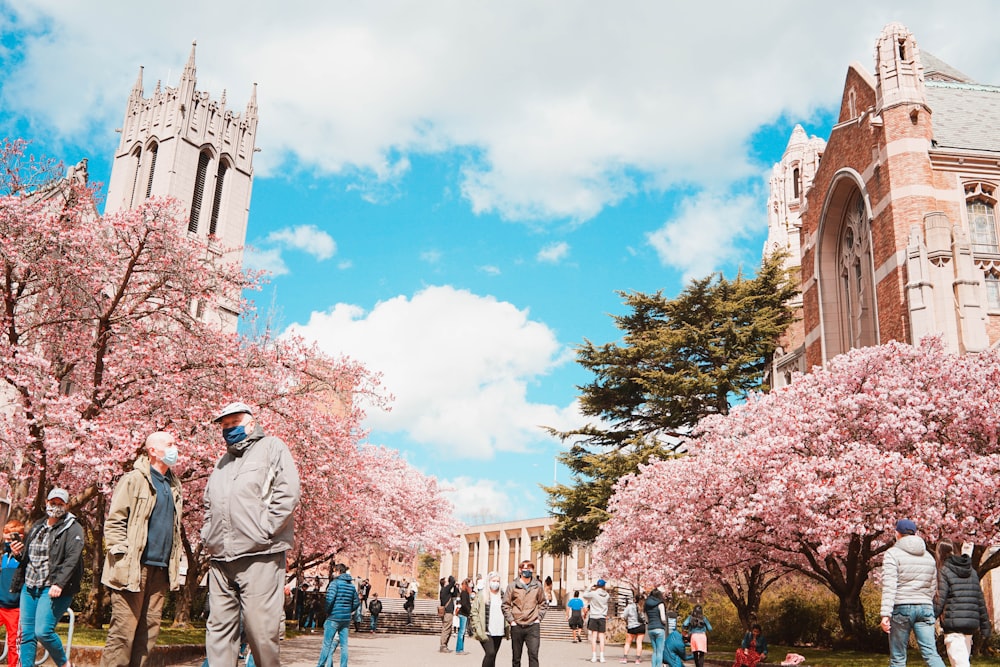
point(102, 342)
point(813, 477)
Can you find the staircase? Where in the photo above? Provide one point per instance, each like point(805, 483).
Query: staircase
point(426, 621)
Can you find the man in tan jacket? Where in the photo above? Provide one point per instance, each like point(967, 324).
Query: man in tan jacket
point(524, 608)
point(142, 535)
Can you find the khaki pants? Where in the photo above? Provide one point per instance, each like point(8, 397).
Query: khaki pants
point(251, 587)
point(135, 620)
point(446, 628)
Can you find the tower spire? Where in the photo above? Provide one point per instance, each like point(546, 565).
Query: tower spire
point(252, 104)
point(137, 88)
point(189, 68)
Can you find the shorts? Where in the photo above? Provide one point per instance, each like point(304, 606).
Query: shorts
point(576, 622)
point(637, 630)
point(597, 624)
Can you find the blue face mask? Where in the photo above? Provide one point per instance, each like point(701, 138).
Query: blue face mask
point(170, 456)
point(234, 434)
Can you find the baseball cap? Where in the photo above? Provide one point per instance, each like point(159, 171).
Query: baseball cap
point(906, 527)
point(61, 494)
point(600, 583)
point(233, 409)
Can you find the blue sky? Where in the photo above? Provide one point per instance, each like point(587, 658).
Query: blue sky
point(453, 192)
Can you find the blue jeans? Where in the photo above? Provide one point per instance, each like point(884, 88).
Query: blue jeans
point(39, 615)
point(374, 623)
point(460, 642)
point(657, 638)
point(920, 619)
point(334, 633)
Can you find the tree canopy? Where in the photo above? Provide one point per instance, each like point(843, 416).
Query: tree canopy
point(813, 477)
point(678, 360)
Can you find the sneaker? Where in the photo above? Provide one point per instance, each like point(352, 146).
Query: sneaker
point(624, 661)
point(602, 657)
point(638, 661)
point(444, 649)
point(593, 658)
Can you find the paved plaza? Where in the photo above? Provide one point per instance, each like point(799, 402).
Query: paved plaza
point(422, 651)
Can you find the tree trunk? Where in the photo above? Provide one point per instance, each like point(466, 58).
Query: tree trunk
point(745, 591)
point(851, 613)
point(94, 608)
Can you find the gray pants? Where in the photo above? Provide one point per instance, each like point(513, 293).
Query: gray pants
point(251, 587)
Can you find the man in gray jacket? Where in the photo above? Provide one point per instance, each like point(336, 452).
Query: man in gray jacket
point(909, 582)
point(249, 502)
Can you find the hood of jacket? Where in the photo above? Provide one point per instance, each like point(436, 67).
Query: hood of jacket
point(912, 545)
point(344, 577)
point(960, 565)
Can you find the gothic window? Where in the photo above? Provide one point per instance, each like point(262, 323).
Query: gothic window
point(982, 225)
point(151, 153)
point(796, 178)
point(852, 103)
point(856, 281)
point(992, 283)
point(136, 159)
point(220, 178)
point(199, 191)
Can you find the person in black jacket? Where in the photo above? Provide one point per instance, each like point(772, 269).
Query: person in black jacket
point(48, 577)
point(959, 604)
point(446, 598)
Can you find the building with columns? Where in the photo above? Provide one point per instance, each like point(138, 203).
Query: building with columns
point(892, 219)
point(499, 547)
point(181, 143)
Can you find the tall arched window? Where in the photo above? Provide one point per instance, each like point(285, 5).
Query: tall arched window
point(857, 288)
point(796, 183)
point(980, 204)
point(151, 157)
point(220, 179)
point(136, 158)
point(198, 196)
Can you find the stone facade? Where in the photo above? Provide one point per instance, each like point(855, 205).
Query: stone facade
point(181, 143)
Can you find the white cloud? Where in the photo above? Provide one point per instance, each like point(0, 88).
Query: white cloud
point(307, 238)
point(431, 256)
point(705, 234)
point(489, 269)
point(562, 108)
point(553, 253)
point(478, 501)
point(459, 366)
point(269, 260)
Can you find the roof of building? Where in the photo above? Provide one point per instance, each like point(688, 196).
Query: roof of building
point(966, 116)
point(936, 69)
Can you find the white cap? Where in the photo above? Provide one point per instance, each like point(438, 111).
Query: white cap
point(61, 494)
point(233, 409)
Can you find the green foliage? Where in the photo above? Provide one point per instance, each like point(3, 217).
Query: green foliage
point(428, 570)
point(679, 360)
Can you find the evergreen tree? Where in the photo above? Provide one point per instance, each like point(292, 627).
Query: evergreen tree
point(678, 360)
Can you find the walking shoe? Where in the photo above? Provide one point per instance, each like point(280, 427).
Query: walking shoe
point(444, 649)
point(624, 660)
point(602, 657)
point(593, 658)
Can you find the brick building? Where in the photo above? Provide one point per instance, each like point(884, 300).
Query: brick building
point(892, 219)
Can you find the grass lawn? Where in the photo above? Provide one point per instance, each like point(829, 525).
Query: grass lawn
point(818, 657)
point(83, 636)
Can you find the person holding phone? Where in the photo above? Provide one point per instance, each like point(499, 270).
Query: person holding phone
point(10, 602)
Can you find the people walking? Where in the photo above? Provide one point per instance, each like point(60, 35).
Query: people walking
point(374, 610)
point(48, 576)
point(446, 610)
point(411, 601)
point(909, 581)
point(698, 625)
point(524, 608)
point(142, 537)
point(489, 625)
point(250, 500)
point(597, 621)
point(342, 602)
point(574, 615)
point(656, 619)
point(635, 626)
point(462, 610)
point(959, 605)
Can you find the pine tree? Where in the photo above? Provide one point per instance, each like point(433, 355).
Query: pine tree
point(679, 360)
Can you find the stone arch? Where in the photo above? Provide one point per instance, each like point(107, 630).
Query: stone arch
point(845, 270)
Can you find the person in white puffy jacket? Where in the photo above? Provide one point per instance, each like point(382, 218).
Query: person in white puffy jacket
point(909, 582)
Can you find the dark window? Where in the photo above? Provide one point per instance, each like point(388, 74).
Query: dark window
point(137, 164)
point(217, 201)
point(199, 192)
point(152, 169)
point(795, 182)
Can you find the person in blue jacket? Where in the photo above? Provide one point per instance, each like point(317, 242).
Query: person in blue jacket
point(341, 602)
point(674, 654)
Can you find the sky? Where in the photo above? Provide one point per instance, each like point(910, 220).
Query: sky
point(454, 193)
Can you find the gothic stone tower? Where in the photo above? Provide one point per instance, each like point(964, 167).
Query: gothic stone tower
point(183, 144)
